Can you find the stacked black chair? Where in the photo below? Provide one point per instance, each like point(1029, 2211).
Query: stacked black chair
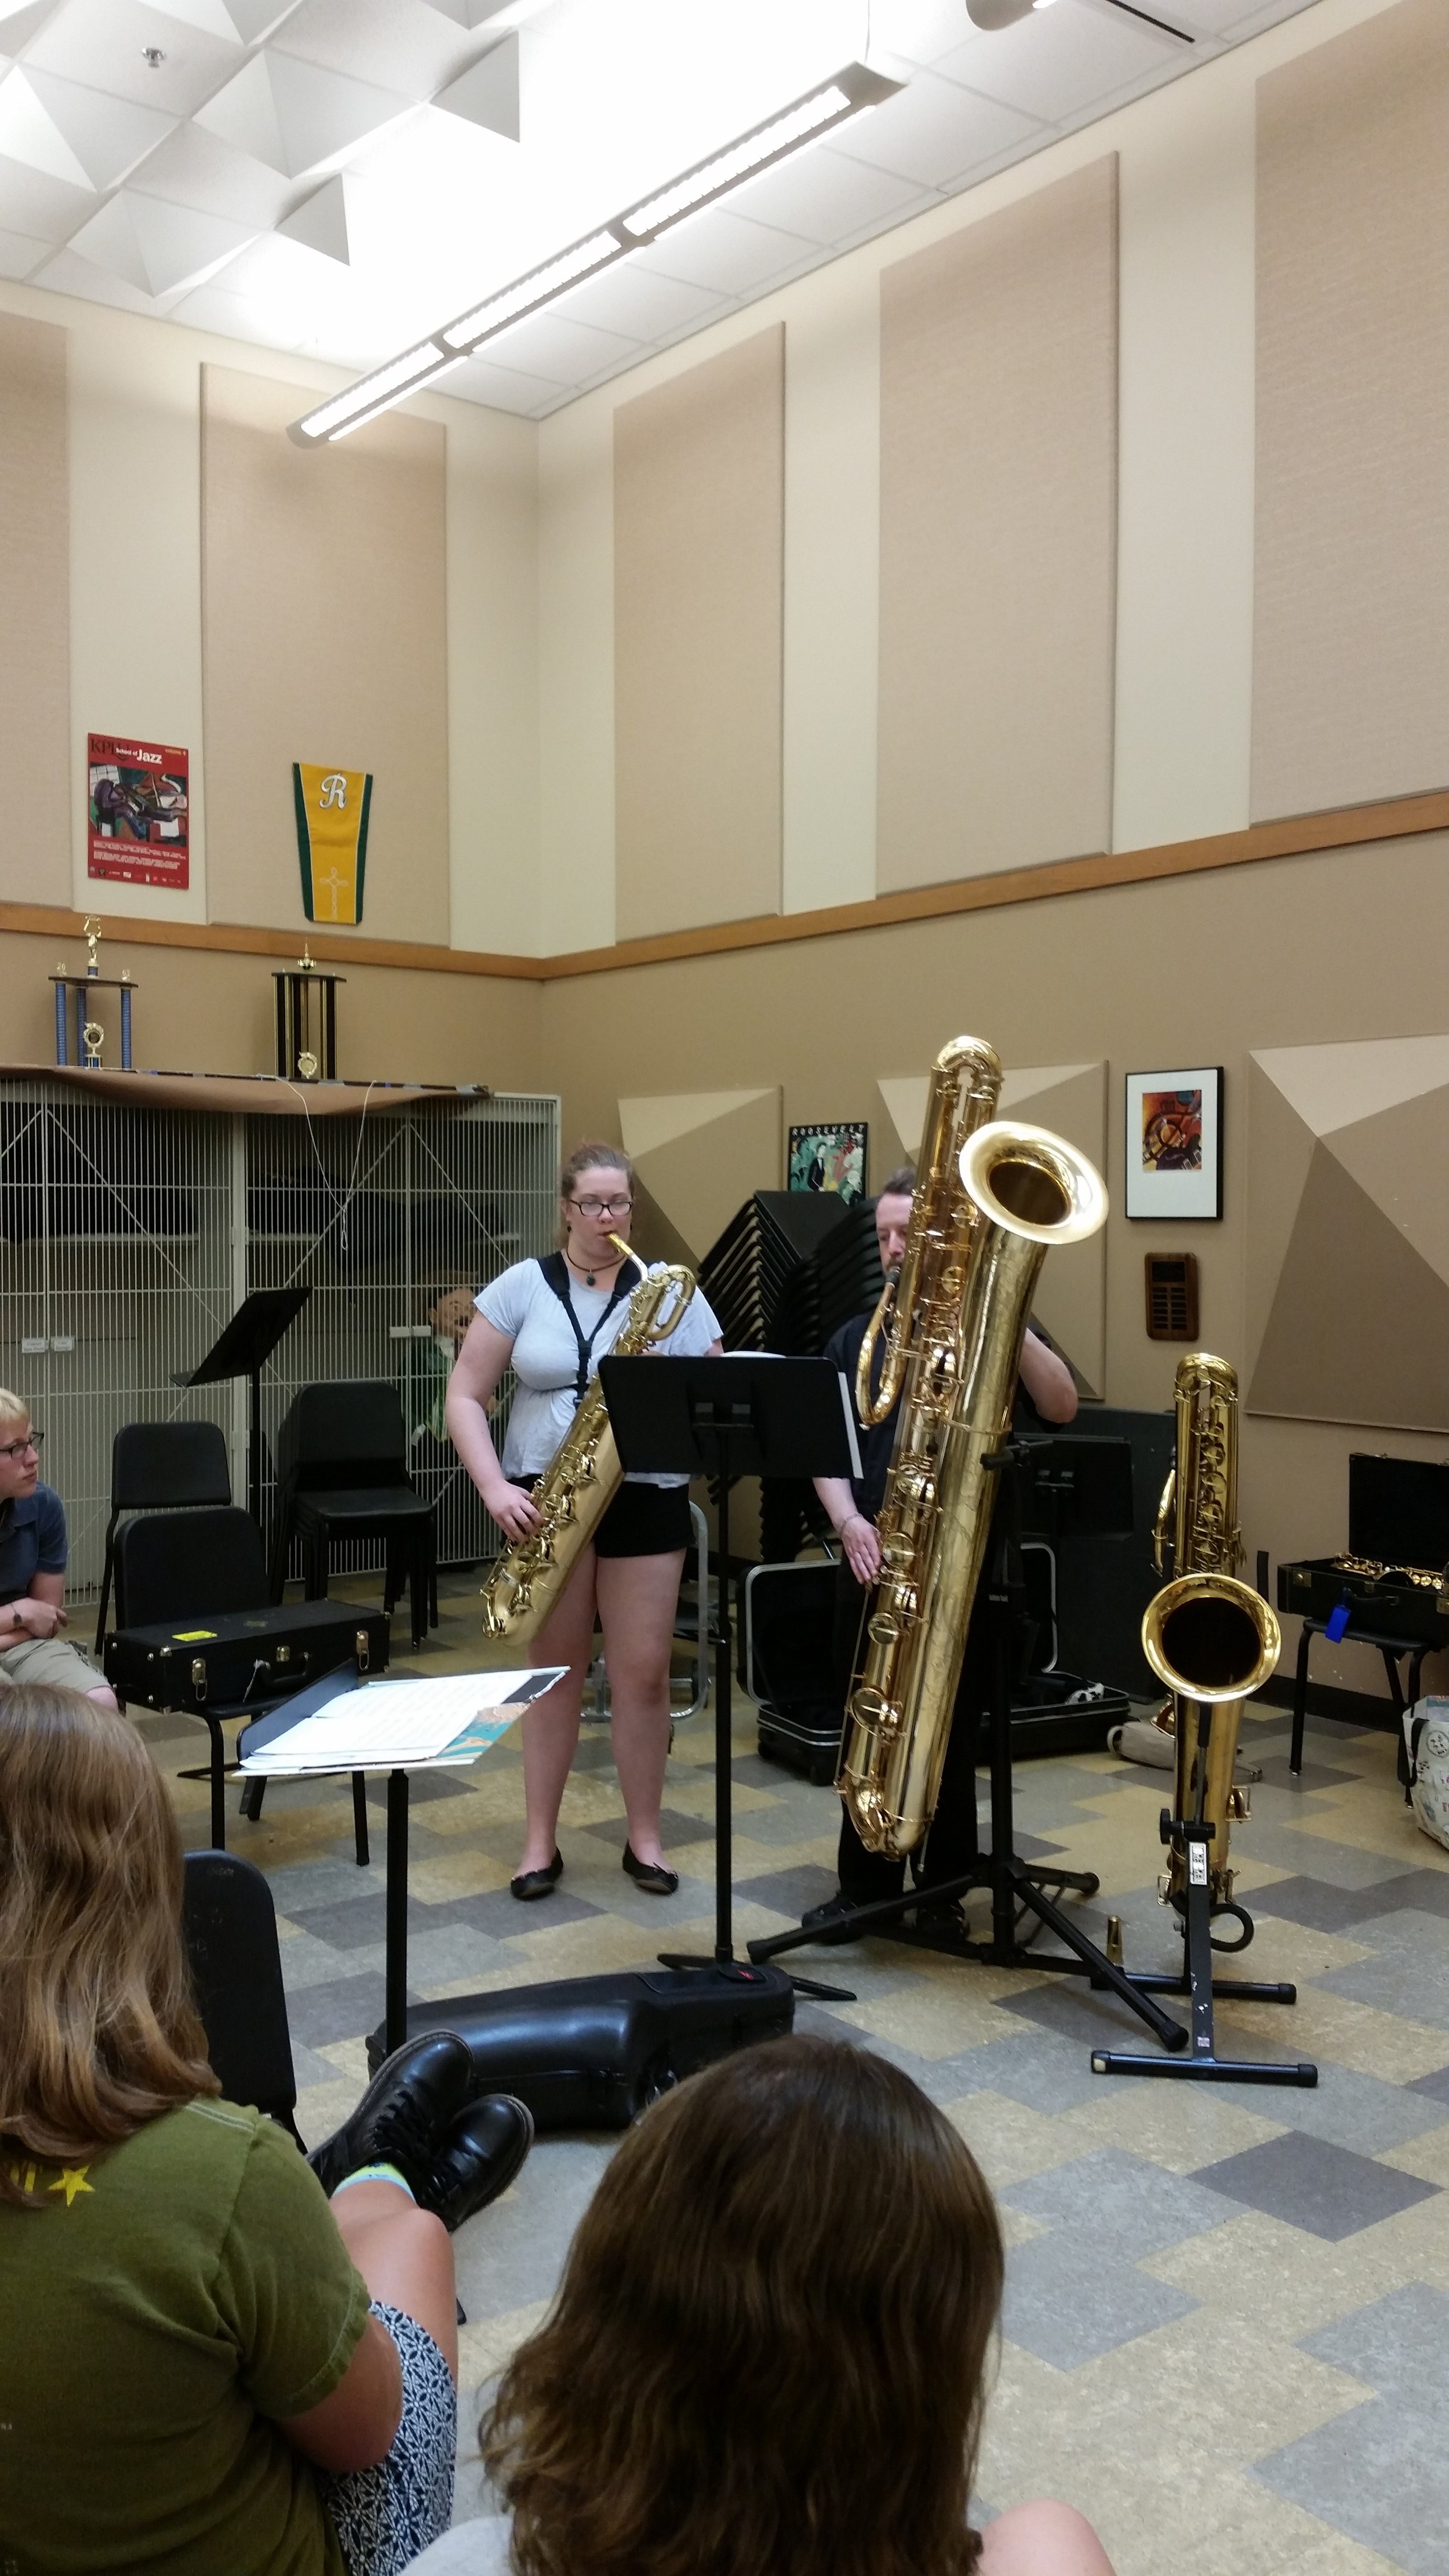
point(745, 1274)
point(342, 1475)
point(161, 1466)
point(229, 1925)
point(196, 1565)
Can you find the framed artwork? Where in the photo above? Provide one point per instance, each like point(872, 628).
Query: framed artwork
point(829, 1158)
point(1175, 1143)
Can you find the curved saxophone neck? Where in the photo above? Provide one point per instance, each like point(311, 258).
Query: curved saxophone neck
point(873, 1407)
point(1163, 1523)
point(627, 1252)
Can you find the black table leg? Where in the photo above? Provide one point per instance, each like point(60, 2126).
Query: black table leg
point(1300, 1698)
point(359, 1818)
point(395, 2026)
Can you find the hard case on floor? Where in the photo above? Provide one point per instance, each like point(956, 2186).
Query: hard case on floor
point(592, 2052)
point(238, 1655)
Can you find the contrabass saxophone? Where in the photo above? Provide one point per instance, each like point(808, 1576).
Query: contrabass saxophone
point(1017, 1190)
point(583, 1475)
point(1211, 1639)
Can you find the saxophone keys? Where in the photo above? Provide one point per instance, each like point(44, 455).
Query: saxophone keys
point(1240, 1806)
point(884, 1628)
point(1114, 1940)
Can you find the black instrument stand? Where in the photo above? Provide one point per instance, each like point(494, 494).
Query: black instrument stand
point(1197, 1983)
point(1018, 1889)
point(729, 1417)
point(242, 1349)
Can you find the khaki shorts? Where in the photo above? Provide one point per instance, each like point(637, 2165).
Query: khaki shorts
point(50, 1659)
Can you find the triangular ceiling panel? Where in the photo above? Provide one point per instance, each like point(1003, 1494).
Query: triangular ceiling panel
point(1336, 1086)
point(30, 135)
point(22, 19)
point(154, 246)
point(320, 222)
point(107, 136)
point(1358, 1330)
point(294, 115)
point(657, 1120)
point(487, 94)
point(213, 17)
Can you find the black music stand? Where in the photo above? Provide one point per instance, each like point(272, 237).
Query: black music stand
point(744, 1415)
point(242, 1349)
point(1081, 1495)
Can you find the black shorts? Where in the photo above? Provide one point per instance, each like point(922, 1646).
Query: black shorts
point(645, 1520)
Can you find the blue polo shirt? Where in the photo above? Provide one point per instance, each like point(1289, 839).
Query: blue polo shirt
point(32, 1541)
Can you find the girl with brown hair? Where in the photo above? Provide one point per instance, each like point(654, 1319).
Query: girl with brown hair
point(768, 2355)
point(551, 1321)
point(192, 2332)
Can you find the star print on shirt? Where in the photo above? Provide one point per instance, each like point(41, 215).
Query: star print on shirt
point(72, 2180)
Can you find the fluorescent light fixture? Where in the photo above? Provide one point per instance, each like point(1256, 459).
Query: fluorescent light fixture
point(848, 93)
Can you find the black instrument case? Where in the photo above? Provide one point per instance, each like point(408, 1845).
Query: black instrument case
point(243, 1656)
point(592, 2052)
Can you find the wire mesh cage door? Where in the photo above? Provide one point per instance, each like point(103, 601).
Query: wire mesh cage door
point(115, 1273)
point(394, 1219)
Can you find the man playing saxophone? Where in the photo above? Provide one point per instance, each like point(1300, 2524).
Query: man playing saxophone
point(551, 1321)
point(1046, 1393)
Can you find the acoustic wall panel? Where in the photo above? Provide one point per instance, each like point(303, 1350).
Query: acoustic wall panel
point(700, 1154)
point(1348, 1233)
point(698, 620)
point(324, 638)
point(35, 857)
point(998, 539)
point(1351, 646)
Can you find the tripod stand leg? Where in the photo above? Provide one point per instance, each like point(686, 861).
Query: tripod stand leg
point(1202, 2060)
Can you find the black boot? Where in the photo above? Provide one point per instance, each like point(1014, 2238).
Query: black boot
point(478, 2157)
point(402, 2117)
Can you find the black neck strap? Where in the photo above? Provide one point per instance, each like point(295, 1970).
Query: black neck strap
point(556, 1271)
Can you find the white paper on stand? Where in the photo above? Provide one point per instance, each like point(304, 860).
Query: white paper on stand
point(396, 1725)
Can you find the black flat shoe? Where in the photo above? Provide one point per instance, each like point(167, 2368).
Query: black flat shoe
point(650, 1875)
point(530, 1884)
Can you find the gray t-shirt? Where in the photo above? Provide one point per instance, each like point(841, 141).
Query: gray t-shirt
point(520, 1303)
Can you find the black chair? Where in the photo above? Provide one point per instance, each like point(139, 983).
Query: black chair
point(159, 1466)
point(190, 1565)
point(342, 1474)
point(229, 1925)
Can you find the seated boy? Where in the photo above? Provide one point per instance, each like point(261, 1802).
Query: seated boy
point(33, 1553)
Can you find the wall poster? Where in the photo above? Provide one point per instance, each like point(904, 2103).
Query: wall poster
point(829, 1158)
point(1175, 1143)
point(139, 812)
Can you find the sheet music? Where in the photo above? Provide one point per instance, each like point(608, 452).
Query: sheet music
point(395, 1725)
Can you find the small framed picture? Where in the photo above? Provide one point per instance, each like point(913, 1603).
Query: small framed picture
point(829, 1158)
point(1175, 1143)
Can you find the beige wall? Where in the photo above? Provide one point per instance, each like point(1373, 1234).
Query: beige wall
point(34, 613)
point(135, 618)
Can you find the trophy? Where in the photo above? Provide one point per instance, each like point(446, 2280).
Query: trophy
point(90, 1035)
point(306, 1022)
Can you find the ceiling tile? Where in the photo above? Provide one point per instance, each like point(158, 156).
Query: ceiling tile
point(488, 94)
point(483, 381)
point(825, 197)
point(22, 19)
point(194, 168)
point(155, 246)
point(68, 274)
point(45, 208)
point(213, 307)
point(108, 136)
point(1056, 62)
point(639, 305)
point(296, 116)
point(397, 44)
point(19, 254)
point(934, 131)
point(28, 134)
point(723, 251)
point(320, 222)
point(920, 31)
point(553, 344)
point(102, 44)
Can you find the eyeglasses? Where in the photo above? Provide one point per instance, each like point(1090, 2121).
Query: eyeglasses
point(20, 1448)
point(602, 1207)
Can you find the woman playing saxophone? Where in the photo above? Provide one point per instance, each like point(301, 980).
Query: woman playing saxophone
point(551, 1321)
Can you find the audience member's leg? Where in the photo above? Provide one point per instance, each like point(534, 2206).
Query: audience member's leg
point(404, 2255)
point(1043, 2539)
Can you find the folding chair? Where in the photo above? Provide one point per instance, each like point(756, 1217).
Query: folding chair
point(159, 1466)
point(342, 1474)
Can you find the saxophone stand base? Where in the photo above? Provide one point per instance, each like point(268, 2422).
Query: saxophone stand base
point(1202, 2063)
point(1016, 1889)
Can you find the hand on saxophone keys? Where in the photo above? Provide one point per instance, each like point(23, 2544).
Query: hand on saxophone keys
point(514, 1510)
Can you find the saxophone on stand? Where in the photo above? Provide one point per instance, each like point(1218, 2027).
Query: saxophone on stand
point(583, 1475)
point(1211, 1639)
point(991, 1198)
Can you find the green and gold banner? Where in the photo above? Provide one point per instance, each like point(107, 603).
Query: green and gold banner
point(332, 809)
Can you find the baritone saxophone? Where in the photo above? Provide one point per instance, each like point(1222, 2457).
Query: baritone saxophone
point(1019, 1191)
point(584, 1473)
point(1210, 1638)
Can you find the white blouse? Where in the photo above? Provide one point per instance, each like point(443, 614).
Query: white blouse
point(546, 1357)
